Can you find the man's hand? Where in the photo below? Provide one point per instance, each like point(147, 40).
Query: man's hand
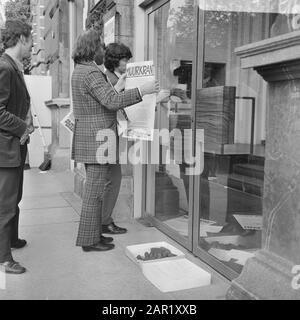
point(31, 129)
point(149, 87)
point(25, 136)
point(120, 86)
point(29, 122)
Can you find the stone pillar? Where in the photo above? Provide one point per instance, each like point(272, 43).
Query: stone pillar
point(269, 274)
point(123, 11)
point(56, 40)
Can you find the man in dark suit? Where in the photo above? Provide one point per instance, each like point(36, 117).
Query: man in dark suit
point(14, 134)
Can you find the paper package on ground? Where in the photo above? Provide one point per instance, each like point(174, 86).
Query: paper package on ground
point(169, 274)
point(140, 249)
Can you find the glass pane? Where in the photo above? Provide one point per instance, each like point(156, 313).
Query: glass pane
point(171, 46)
point(231, 108)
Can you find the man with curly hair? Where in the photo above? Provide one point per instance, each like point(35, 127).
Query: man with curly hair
point(116, 58)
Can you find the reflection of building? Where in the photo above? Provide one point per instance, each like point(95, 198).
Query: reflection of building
point(38, 28)
point(230, 102)
point(56, 42)
point(123, 11)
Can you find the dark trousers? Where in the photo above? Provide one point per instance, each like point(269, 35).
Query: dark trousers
point(111, 193)
point(11, 190)
point(99, 195)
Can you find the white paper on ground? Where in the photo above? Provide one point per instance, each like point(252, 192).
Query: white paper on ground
point(224, 239)
point(180, 224)
point(241, 256)
point(175, 275)
point(204, 228)
point(205, 221)
point(220, 254)
point(249, 222)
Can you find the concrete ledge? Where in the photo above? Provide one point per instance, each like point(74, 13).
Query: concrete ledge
point(273, 271)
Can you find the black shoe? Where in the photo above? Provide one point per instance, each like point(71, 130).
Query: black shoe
point(99, 247)
point(106, 240)
point(19, 244)
point(113, 229)
point(12, 267)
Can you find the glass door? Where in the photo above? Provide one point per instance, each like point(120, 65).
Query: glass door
point(172, 45)
point(195, 45)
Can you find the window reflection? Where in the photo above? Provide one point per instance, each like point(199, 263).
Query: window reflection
point(171, 46)
point(231, 101)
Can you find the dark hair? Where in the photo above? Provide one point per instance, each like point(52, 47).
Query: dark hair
point(86, 47)
point(12, 32)
point(99, 57)
point(114, 53)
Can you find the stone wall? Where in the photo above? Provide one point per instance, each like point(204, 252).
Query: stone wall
point(57, 49)
point(123, 10)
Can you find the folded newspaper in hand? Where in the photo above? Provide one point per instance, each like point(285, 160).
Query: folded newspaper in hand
point(69, 122)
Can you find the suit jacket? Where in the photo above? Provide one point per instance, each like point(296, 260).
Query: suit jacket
point(113, 79)
point(95, 105)
point(14, 107)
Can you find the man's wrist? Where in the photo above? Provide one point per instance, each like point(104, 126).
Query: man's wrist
point(26, 133)
point(140, 92)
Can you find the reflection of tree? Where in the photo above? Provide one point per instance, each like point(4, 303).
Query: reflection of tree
point(216, 27)
point(181, 20)
point(19, 9)
point(95, 18)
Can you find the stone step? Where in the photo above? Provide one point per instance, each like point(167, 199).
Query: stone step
point(260, 161)
point(249, 170)
point(246, 184)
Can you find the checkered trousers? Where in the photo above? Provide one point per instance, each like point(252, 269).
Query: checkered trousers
point(90, 226)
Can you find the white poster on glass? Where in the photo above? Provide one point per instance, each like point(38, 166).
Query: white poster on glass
point(141, 116)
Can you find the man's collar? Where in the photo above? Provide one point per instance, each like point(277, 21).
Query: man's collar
point(118, 74)
point(17, 62)
point(101, 67)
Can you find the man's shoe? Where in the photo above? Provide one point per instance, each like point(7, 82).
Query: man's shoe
point(113, 229)
point(12, 267)
point(19, 244)
point(99, 247)
point(106, 240)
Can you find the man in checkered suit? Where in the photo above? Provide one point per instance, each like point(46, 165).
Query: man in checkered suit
point(95, 105)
